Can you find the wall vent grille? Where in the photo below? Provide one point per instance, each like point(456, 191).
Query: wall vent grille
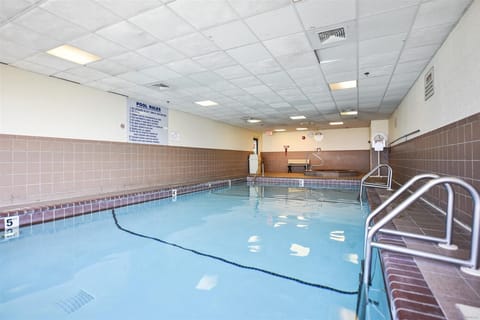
point(429, 88)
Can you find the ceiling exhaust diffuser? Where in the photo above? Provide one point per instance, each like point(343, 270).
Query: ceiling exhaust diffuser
point(331, 36)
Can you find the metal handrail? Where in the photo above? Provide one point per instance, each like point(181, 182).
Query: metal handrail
point(446, 241)
point(387, 186)
point(472, 262)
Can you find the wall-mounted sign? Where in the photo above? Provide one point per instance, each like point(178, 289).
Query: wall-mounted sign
point(147, 123)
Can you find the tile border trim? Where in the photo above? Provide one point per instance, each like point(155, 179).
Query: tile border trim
point(45, 213)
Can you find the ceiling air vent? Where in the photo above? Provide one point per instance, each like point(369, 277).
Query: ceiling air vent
point(160, 85)
point(333, 35)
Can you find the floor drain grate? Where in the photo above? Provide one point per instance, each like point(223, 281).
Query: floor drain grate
point(75, 302)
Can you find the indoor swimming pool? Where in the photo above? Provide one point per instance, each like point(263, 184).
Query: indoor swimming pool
point(242, 252)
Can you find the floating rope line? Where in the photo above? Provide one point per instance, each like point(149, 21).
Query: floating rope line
point(320, 286)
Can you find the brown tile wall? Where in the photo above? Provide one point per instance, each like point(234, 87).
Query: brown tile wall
point(452, 150)
point(43, 169)
point(358, 160)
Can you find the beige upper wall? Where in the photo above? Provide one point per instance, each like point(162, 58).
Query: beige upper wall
point(189, 130)
point(456, 82)
point(36, 105)
point(333, 140)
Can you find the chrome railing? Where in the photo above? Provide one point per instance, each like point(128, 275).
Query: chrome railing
point(387, 185)
point(371, 231)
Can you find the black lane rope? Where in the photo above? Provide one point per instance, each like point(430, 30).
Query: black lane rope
point(238, 265)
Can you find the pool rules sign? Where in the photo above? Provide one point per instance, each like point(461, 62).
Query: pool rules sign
point(147, 123)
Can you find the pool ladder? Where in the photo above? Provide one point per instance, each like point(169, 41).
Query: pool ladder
point(387, 185)
point(469, 265)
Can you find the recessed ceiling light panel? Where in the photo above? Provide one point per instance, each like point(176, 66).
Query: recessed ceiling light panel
point(349, 113)
point(343, 85)
point(302, 129)
point(297, 117)
point(206, 103)
point(254, 120)
point(279, 130)
point(336, 123)
point(73, 54)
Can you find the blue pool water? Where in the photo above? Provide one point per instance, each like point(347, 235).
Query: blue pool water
point(223, 257)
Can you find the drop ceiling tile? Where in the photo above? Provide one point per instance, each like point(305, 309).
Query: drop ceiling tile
point(305, 72)
point(127, 9)
point(25, 37)
point(183, 83)
point(279, 105)
point(206, 77)
point(306, 107)
point(403, 80)
point(34, 67)
point(327, 107)
point(233, 92)
point(276, 23)
point(411, 66)
point(392, 43)
point(86, 13)
point(346, 103)
point(298, 60)
point(194, 44)
point(109, 67)
point(388, 23)
point(233, 72)
point(11, 52)
point(247, 8)
point(337, 54)
point(203, 14)
point(97, 45)
point(372, 7)
point(263, 66)
point(269, 98)
point(318, 14)
point(277, 80)
point(378, 60)
point(230, 35)
point(261, 89)
point(44, 22)
point(373, 82)
point(316, 81)
point(418, 53)
point(133, 61)
point(161, 53)
point(186, 66)
point(291, 44)
point(11, 8)
point(347, 94)
point(250, 53)
point(428, 35)
point(376, 72)
point(51, 61)
point(116, 82)
point(291, 93)
point(339, 66)
point(440, 12)
point(127, 35)
point(87, 74)
point(340, 77)
point(217, 59)
point(245, 82)
point(162, 23)
point(137, 77)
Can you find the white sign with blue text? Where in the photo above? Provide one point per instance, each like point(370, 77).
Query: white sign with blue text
point(147, 123)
